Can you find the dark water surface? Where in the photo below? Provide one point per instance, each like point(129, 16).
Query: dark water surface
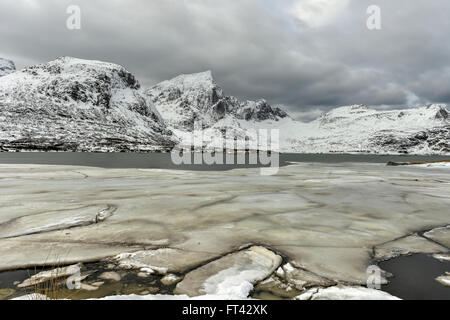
point(164, 161)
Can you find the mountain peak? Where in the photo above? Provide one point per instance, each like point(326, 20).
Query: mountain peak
point(191, 97)
point(81, 70)
point(439, 111)
point(201, 81)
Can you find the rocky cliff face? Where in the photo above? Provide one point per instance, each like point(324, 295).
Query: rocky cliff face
point(6, 67)
point(197, 97)
point(78, 105)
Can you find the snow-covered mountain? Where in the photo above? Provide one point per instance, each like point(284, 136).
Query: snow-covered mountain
point(78, 105)
point(197, 97)
point(424, 130)
point(6, 67)
point(350, 129)
point(71, 104)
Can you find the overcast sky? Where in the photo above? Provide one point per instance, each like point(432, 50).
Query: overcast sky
point(309, 55)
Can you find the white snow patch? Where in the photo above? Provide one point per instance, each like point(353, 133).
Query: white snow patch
point(445, 280)
point(345, 293)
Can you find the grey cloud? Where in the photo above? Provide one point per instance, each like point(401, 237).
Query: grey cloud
point(255, 48)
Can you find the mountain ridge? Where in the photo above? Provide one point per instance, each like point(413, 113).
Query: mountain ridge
point(72, 104)
point(188, 98)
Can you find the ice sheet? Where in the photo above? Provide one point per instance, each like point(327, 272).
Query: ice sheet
point(324, 218)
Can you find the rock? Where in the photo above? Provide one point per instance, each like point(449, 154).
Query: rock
point(5, 293)
point(232, 275)
point(170, 279)
point(406, 246)
point(345, 293)
point(110, 275)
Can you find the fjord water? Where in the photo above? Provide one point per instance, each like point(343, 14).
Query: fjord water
point(415, 277)
point(163, 160)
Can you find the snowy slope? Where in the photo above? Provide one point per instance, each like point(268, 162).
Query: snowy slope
point(78, 105)
point(424, 130)
point(6, 67)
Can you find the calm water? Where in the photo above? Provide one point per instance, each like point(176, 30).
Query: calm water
point(164, 161)
point(414, 278)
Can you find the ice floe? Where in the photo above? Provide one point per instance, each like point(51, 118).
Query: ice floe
point(110, 275)
point(56, 220)
point(406, 246)
point(345, 293)
point(47, 275)
point(441, 235)
point(232, 275)
point(301, 279)
point(170, 279)
point(32, 296)
point(442, 257)
point(161, 261)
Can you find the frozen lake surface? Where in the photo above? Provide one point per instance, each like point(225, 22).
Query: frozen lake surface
point(323, 223)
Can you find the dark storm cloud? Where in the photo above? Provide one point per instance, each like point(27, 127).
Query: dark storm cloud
point(308, 55)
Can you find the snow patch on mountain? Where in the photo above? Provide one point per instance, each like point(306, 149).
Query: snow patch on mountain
point(6, 67)
point(71, 104)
